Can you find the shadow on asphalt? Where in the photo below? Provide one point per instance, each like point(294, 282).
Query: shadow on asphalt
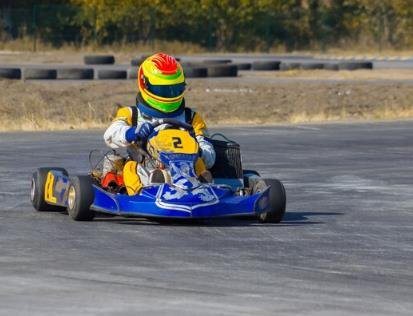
point(296, 218)
point(304, 216)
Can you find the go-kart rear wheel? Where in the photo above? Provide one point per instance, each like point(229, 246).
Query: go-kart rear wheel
point(79, 198)
point(37, 189)
point(278, 200)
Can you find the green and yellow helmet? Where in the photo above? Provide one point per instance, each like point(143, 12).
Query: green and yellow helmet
point(161, 83)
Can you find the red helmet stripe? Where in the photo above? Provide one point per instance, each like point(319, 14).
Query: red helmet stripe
point(166, 64)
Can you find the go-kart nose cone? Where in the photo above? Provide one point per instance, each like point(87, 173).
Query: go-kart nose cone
point(185, 200)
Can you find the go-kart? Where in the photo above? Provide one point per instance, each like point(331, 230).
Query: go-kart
point(177, 191)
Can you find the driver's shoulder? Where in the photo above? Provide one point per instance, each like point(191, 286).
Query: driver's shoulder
point(124, 113)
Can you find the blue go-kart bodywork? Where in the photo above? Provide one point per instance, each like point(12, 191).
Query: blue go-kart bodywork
point(190, 199)
point(164, 201)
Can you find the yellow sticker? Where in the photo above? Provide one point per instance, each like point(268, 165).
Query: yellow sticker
point(174, 141)
point(48, 191)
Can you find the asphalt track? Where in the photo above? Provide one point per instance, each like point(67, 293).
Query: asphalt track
point(344, 248)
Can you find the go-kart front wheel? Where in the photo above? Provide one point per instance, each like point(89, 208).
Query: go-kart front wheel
point(37, 190)
point(79, 198)
point(278, 200)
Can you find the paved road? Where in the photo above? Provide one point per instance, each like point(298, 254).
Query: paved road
point(345, 247)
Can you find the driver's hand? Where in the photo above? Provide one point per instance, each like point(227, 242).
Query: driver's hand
point(139, 133)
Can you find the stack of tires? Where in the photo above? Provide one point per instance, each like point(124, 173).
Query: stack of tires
point(103, 67)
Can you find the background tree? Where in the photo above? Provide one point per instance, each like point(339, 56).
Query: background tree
point(214, 24)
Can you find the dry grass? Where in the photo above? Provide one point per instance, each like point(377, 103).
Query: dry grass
point(297, 102)
point(55, 106)
point(366, 49)
point(38, 106)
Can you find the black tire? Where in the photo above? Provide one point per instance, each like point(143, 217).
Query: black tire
point(355, 65)
point(266, 65)
point(278, 199)
point(312, 66)
point(136, 62)
point(195, 71)
point(39, 74)
point(99, 59)
point(243, 66)
point(222, 71)
point(289, 66)
point(37, 190)
point(105, 74)
point(10, 73)
point(188, 64)
point(217, 61)
point(139, 60)
point(80, 198)
point(75, 73)
point(331, 66)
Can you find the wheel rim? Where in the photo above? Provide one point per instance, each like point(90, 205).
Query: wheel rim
point(261, 216)
point(32, 190)
point(71, 197)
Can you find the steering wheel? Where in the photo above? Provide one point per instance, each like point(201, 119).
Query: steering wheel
point(174, 123)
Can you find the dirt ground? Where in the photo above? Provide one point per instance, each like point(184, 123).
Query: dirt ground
point(263, 98)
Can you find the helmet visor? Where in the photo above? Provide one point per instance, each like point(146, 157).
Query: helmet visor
point(166, 91)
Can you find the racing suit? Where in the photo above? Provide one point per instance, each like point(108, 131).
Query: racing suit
point(135, 177)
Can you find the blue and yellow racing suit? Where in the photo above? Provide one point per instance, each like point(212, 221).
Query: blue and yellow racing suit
point(126, 117)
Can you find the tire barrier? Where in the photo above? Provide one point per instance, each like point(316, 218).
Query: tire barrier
point(222, 71)
point(10, 73)
point(312, 66)
point(331, 66)
point(132, 73)
point(355, 65)
point(99, 59)
point(39, 74)
point(194, 71)
point(75, 73)
point(243, 66)
point(334, 66)
point(289, 66)
point(266, 65)
point(216, 61)
point(136, 62)
point(104, 74)
point(208, 68)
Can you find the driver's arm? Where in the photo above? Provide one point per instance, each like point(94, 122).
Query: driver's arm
point(114, 135)
point(201, 131)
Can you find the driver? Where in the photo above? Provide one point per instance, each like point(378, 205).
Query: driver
point(161, 86)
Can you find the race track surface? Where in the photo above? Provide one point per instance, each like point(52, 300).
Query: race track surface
point(344, 248)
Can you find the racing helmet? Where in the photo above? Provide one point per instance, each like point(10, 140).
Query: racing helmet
point(161, 83)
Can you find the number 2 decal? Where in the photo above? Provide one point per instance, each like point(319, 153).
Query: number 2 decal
point(177, 142)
